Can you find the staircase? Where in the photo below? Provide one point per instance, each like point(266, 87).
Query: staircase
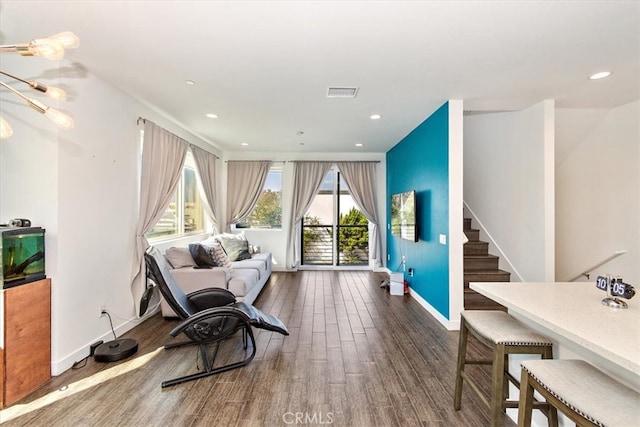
point(479, 266)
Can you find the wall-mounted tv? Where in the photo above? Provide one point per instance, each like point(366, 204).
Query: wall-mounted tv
point(403, 215)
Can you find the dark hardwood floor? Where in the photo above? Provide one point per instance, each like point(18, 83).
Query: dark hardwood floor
point(356, 356)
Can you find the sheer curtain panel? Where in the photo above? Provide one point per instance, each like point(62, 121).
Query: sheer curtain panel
point(307, 178)
point(206, 165)
point(163, 155)
point(361, 180)
point(245, 180)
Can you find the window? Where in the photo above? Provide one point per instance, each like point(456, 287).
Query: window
point(334, 231)
point(185, 214)
point(268, 211)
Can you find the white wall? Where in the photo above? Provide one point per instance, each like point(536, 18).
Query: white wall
point(508, 178)
point(457, 237)
point(598, 192)
point(81, 185)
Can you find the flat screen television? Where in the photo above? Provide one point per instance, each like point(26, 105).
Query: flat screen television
point(403, 215)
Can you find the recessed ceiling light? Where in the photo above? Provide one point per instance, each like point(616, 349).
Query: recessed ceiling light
point(212, 116)
point(359, 144)
point(300, 132)
point(600, 75)
point(375, 116)
point(190, 82)
point(244, 144)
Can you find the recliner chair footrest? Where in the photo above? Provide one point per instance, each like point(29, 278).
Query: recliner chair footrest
point(261, 320)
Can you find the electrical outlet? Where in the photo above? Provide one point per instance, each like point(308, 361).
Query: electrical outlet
point(103, 310)
point(410, 272)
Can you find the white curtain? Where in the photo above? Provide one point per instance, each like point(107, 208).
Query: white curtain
point(307, 178)
point(245, 180)
point(361, 180)
point(163, 157)
point(206, 165)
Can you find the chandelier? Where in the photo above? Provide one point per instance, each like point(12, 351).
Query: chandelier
point(51, 48)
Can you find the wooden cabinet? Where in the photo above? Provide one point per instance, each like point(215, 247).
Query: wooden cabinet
point(26, 356)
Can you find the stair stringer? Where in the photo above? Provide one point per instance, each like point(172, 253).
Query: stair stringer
point(504, 262)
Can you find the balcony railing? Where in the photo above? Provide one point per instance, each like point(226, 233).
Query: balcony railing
point(317, 245)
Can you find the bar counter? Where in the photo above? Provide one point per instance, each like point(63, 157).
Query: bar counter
point(573, 316)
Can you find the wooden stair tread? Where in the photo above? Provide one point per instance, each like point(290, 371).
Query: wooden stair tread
point(480, 256)
point(479, 267)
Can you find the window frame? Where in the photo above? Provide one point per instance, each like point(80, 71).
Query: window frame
point(189, 163)
point(245, 224)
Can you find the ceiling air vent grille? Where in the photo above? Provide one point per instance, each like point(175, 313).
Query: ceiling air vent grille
point(342, 92)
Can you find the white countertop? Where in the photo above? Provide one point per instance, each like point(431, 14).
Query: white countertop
point(574, 311)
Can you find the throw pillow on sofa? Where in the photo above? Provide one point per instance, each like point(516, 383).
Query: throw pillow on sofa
point(236, 249)
point(203, 256)
point(179, 257)
point(221, 255)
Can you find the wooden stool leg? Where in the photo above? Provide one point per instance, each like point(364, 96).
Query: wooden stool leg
point(552, 411)
point(497, 385)
point(525, 406)
point(505, 380)
point(462, 355)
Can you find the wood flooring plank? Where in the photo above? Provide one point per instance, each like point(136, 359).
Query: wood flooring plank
point(359, 409)
point(352, 364)
point(319, 324)
point(319, 346)
point(335, 366)
point(333, 335)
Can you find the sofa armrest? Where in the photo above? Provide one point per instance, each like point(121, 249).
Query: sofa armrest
point(193, 279)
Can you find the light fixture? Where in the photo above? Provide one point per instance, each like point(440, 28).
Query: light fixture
point(190, 82)
point(600, 75)
point(51, 91)
point(375, 116)
point(61, 119)
point(359, 144)
point(244, 144)
point(5, 129)
point(51, 48)
point(212, 116)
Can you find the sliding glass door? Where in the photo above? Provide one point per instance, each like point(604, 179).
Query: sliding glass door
point(334, 230)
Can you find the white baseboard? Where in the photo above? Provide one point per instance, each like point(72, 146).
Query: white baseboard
point(66, 363)
point(450, 325)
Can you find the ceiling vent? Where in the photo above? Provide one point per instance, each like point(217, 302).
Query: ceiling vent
point(342, 92)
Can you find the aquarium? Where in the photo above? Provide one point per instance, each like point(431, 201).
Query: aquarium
point(22, 251)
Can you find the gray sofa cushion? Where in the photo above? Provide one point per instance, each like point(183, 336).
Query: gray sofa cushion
point(179, 257)
point(258, 265)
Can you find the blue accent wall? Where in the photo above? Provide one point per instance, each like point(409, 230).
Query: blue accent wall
point(420, 162)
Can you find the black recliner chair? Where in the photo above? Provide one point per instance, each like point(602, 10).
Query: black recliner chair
point(208, 316)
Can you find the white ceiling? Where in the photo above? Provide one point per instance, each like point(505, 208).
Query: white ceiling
point(264, 66)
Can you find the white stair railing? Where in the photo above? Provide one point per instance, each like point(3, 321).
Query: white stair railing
point(586, 271)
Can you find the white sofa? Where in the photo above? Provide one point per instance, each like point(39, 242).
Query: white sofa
point(245, 278)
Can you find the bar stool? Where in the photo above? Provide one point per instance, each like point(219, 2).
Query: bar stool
point(583, 393)
point(504, 335)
